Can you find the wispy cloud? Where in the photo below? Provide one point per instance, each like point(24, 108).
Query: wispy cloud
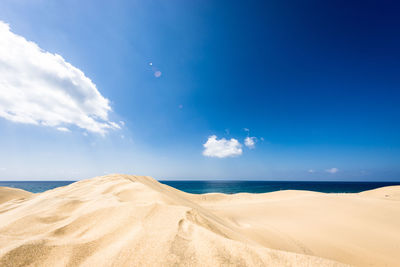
point(222, 148)
point(332, 170)
point(250, 142)
point(63, 129)
point(41, 88)
point(311, 170)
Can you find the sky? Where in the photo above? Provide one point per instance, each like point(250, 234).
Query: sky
point(235, 90)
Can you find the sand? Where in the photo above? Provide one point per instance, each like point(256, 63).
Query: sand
point(125, 220)
point(7, 194)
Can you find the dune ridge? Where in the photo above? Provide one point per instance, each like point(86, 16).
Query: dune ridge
point(7, 194)
point(126, 220)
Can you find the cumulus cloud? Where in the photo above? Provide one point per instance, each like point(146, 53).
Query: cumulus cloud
point(222, 148)
point(250, 142)
point(332, 170)
point(41, 88)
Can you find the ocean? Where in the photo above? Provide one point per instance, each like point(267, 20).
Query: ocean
point(227, 187)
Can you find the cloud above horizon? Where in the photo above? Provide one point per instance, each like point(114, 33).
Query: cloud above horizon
point(332, 170)
point(250, 142)
point(222, 148)
point(41, 88)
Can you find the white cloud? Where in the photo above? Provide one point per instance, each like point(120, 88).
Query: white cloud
point(41, 88)
point(311, 171)
point(63, 129)
point(222, 148)
point(250, 142)
point(332, 170)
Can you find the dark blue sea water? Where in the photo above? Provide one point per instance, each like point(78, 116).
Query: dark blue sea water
point(228, 187)
point(231, 187)
point(35, 186)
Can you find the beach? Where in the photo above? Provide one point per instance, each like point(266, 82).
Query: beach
point(126, 220)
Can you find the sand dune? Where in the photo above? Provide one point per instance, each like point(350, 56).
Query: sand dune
point(124, 220)
point(7, 194)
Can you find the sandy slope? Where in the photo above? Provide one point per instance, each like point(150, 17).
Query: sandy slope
point(7, 194)
point(358, 229)
point(121, 220)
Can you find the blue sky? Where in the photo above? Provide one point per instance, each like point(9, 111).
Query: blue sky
point(181, 84)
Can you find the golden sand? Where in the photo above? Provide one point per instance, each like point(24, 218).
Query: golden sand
point(125, 220)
